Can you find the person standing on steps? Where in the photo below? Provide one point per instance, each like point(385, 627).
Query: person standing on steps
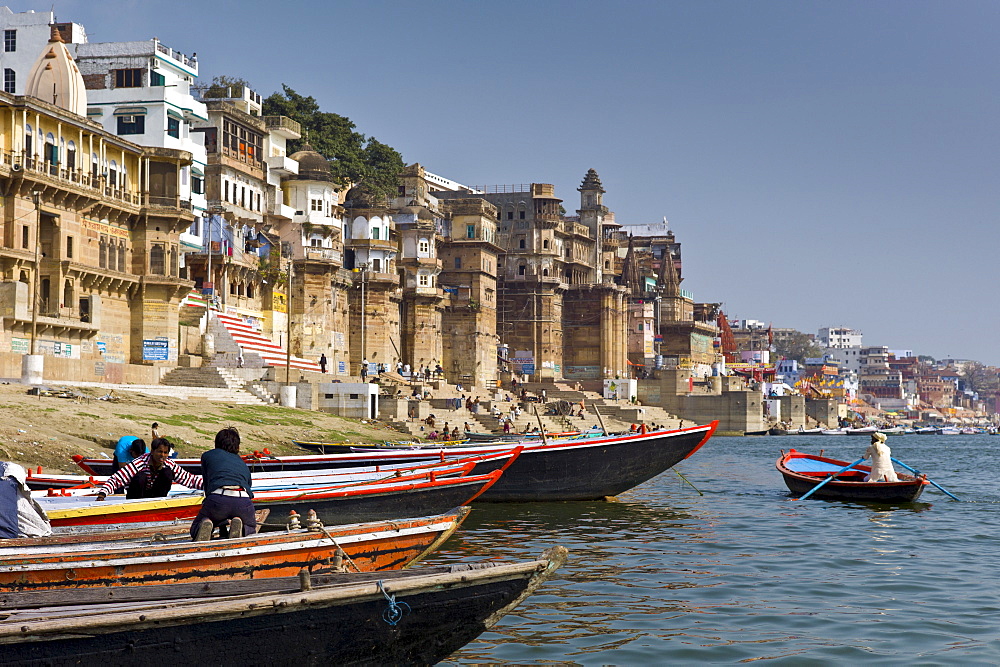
point(322, 363)
point(364, 369)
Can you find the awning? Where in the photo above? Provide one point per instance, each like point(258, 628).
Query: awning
point(173, 114)
point(130, 111)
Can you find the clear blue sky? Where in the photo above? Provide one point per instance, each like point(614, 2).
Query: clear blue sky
point(822, 163)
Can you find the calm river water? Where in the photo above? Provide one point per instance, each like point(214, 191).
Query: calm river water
point(670, 577)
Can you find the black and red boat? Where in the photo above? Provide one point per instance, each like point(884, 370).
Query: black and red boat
point(803, 472)
point(562, 469)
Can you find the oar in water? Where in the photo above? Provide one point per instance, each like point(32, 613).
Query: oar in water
point(820, 485)
point(688, 481)
point(917, 472)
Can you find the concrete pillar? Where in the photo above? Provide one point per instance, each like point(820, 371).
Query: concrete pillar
point(289, 394)
point(208, 345)
point(32, 368)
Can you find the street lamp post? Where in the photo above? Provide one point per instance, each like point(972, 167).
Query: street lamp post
point(36, 197)
point(288, 325)
point(364, 307)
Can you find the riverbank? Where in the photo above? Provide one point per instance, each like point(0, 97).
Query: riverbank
point(48, 430)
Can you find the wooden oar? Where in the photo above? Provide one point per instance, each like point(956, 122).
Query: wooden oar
point(917, 472)
point(688, 481)
point(820, 485)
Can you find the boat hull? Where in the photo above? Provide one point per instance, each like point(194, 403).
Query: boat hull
point(568, 469)
point(442, 613)
point(175, 558)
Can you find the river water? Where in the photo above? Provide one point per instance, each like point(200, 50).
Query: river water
point(744, 573)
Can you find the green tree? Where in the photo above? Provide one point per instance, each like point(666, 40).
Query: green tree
point(226, 86)
point(353, 158)
point(798, 346)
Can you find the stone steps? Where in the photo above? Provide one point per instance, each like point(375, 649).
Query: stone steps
point(214, 394)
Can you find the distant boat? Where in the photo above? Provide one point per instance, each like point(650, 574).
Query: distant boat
point(927, 430)
point(833, 431)
point(864, 430)
point(950, 430)
point(809, 431)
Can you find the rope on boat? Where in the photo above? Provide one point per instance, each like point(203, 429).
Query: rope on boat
point(395, 611)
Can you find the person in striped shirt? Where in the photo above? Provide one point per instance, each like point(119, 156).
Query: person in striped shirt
point(149, 475)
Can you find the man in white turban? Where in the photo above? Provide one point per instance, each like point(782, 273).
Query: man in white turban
point(881, 456)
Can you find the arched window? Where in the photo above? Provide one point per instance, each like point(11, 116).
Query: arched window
point(249, 290)
point(28, 140)
point(95, 168)
point(607, 264)
point(545, 272)
point(113, 256)
point(67, 301)
point(545, 244)
point(51, 153)
point(173, 261)
point(24, 277)
point(156, 258)
point(103, 253)
point(113, 175)
point(521, 269)
point(71, 155)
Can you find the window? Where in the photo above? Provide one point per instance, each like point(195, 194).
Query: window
point(545, 243)
point(28, 135)
point(422, 280)
point(156, 260)
point(69, 247)
point(423, 247)
point(521, 270)
point(128, 78)
point(470, 231)
point(315, 204)
point(10, 40)
point(510, 215)
point(71, 155)
point(458, 262)
point(375, 233)
point(121, 256)
point(9, 80)
point(520, 215)
point(520, 243)
point(174, 128)
point(24, 236)
point(377, 265)
point(157, 79)
point(198, 184)
point(131, 124)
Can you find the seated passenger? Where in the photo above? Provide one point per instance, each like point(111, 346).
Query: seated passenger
point(150, 475)
point(228, 499)
point(128, 448)
point(20, 514)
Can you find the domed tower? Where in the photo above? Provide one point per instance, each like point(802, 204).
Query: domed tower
point(55, 79)
point(315, 240)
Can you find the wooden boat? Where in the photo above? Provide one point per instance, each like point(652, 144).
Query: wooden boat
point(414, 617)
point(808, 431)
point(344, 447)
point(417, 492)
point(766, 431)
point(564, 469)
point(862, 430)
point(833, 431)
point(169, 556)
point(277, 479)
point(803, 471)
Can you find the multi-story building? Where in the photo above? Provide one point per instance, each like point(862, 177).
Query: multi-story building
point(142, 91)
point(25, 34)
point(90, 245)
point(561, 311)
point(876, 379)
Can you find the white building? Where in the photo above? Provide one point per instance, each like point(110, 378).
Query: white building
point(142, 91)
point(25, 34)
point(839, 337)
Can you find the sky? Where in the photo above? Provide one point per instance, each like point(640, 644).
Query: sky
point(821, 163)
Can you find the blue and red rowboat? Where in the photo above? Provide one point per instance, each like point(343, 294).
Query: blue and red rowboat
point(803, 471)
point(430, 491)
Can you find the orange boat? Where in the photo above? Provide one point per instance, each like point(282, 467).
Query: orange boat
point(125, 558)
